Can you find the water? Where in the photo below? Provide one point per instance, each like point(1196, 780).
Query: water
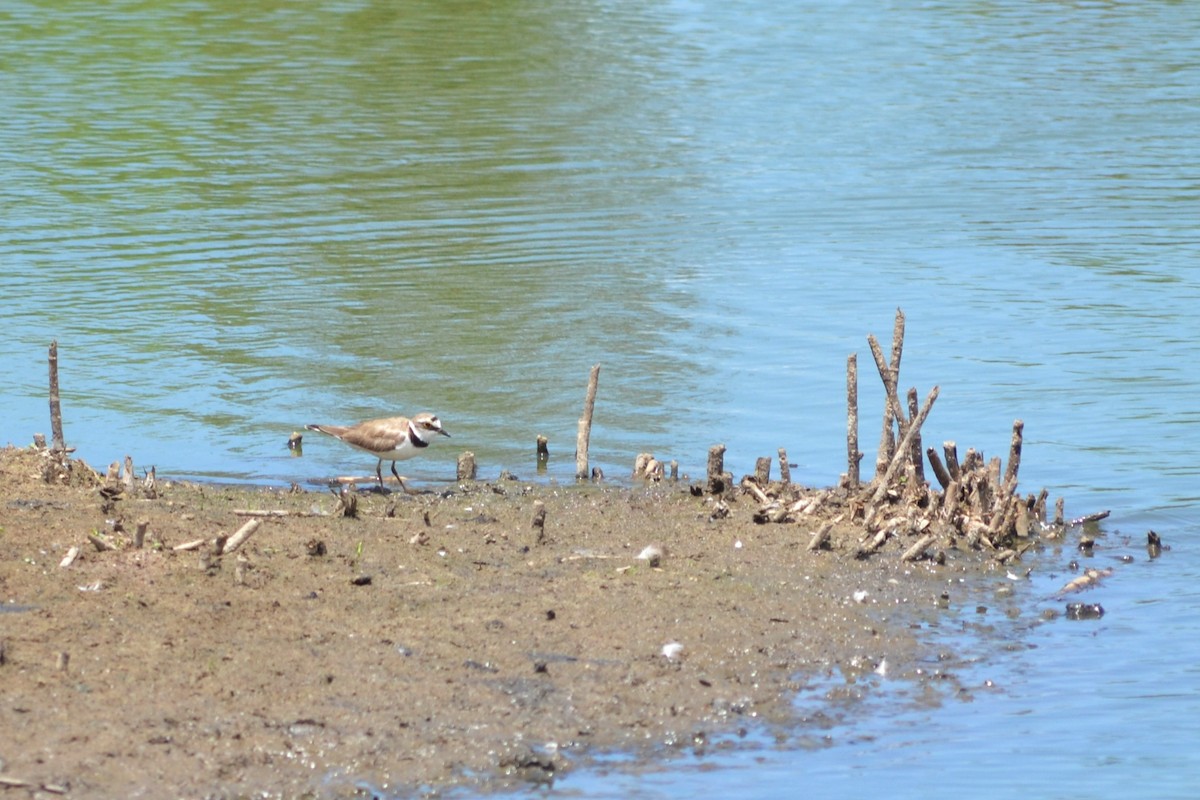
point(236, 220)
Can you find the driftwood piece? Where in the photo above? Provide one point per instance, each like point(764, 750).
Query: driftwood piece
point(585, 425)
point(240, 536)
point(751, 485)
point(820, 538)
point(1088, 579)
point(139, 534)
point(918, 548)
point(1086, 518)
point(69, 558)
point(101, 545)
point(853, 454)
point(543, 449)
point(867, 548)
point(785, 470)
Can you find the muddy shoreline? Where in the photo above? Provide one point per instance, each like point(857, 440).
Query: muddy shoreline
point(432, 641)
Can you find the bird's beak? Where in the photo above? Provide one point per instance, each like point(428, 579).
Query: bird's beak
point(442, 432)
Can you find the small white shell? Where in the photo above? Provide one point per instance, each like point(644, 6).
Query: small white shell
point(652, 553)
point(672, 650)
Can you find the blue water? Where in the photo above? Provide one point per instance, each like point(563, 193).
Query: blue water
point(236, 221)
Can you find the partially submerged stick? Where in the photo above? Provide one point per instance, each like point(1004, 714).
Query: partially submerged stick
point(585, 426)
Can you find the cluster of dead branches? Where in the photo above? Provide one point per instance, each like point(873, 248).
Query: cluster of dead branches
point(974, 501)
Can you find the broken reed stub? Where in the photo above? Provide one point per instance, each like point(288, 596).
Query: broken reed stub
point(466, 467)
point(762, 471)
point(716, 469)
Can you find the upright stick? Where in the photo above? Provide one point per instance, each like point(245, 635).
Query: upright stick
point(585, 426)
point(892, 410)
point(1014, 454)
point(918, 462)
point(56, 431)
point(902, 451)
point(853, 454)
